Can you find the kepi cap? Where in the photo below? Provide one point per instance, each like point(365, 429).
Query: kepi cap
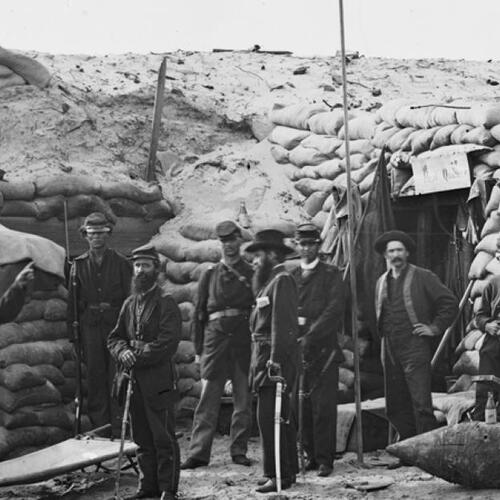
point(308, 233)
point(381, 242)
point(227, 229)
point(145, 252)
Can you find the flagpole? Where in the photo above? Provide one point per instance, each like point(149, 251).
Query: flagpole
point(352, 261)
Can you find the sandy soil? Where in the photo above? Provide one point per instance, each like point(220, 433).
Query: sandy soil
point(223, 480)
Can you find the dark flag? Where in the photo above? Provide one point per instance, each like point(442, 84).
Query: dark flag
point(376, 219)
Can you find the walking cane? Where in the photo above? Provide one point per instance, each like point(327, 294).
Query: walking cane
point(123, 433)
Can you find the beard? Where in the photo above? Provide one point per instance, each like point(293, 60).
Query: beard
point(261, 275)
point(142, 282)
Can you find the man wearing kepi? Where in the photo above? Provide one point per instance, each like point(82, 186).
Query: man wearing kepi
point(412, 305)
point(102, 284)
point(222, 339)
point(274, 327)
point(143, 342)
point(321, 307)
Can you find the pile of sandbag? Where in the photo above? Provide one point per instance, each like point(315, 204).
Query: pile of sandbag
point(308, 141)
point(44, 198)
point(37, 376)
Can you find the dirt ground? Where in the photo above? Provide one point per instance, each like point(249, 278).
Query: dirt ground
point(223, 480)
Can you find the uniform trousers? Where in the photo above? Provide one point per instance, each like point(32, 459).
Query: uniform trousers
point(207, 413)
point(406, 359)
point(158, 452)
point(319, 434)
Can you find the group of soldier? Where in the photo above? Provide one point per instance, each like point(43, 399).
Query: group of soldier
point(256, 322)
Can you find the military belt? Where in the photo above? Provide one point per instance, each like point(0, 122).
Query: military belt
point(101, 306)
point(227, 313)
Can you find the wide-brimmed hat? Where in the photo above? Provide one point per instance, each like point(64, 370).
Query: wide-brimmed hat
point(96, 222)
point(381, 242)
point(269, 239)
point(145, 252)
point(308, 233)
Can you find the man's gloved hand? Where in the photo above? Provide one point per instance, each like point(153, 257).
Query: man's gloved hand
point(127, 359)
point(423, 330)
point(492, 328)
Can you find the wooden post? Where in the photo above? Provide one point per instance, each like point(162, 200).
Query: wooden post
point(158, 110)
point(424, 228)
point(352, 262)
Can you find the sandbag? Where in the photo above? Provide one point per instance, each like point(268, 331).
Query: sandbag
point(204, 251)
point(279, 154)
point(177, 248)
point(480, 115)
point(310, 172)
point(196, 273)
point(186, 330)
point(493, 201)
point(19, 376)
point(492, 224)
point(360, 127)
point(417, 117)
point(66, 185)
point(361, 173)
point(32, 353)
point(309, 186)
point(495, 132)
point(346, 376)
point(366, 184)
point(40, 394)
point(51, 373)
point(326, 145)
point(188, 370)
point(479, 135)
point(19, 190)
point(31, 70)
point(181, 293)
point(292, 172)
point(180, 272)
point(463, 383)
point(356, 146)
point(356, 161)
point(442, 137)
point(482, 171)
point(479, 286)
point(329, 169)
point(468, 364)
point(469, 342)
point(300, 156)
point(487, 244)
point(55, 416)
point(421, 140)
point(185, 352)
point(55, 310)
point(493, 267)
point(20, 208)
point(476, 306)
point(286, 137)
point(442, 117)
point(383, 135)
point(31, 331)
point(327, 205)
point(459, 133)
point(319, 219)
point(492, 158)
point(134, 192)
point(328, 122)
point(477, 268)
point(198, 230)
point(397, 140)
point(36, 436)
point(123, 207)
point(160, 209)
point(387, 112)
point(296, 115)
point(314, 202)
point(32, 310)
point(187, 310)
point(82, 204)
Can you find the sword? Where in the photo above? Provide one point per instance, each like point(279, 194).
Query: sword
point(300, 440)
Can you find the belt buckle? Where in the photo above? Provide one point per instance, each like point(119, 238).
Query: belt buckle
point(302, 320)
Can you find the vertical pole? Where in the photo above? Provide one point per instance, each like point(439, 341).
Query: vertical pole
point(352, 258)
point(158, 110)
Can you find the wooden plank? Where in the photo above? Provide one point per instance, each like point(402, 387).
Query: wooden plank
point(128, 233)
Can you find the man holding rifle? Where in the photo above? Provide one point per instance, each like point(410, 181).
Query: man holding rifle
point(144, 342)
point(274, 328)
point(321, 309)
point(99, 283)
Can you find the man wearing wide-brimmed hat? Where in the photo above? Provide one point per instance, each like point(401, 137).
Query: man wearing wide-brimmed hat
point(143, 342)
point(274, 327)
point(222, 341)
point(322, 297)
point(412, 306)
point(102, 277)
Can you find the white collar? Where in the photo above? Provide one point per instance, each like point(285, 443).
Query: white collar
point(312, 265)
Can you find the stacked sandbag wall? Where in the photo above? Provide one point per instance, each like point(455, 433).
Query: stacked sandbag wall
point(37, 376)
point(43, 199)
point(308, 141)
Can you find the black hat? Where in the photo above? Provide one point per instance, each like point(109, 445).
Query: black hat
point(381, 242)
point(145, 252)
point(269, 239)
point(96, 222)
point(227, 229)
point(308, 233)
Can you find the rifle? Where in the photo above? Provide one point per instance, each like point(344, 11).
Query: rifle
point(76, 328)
